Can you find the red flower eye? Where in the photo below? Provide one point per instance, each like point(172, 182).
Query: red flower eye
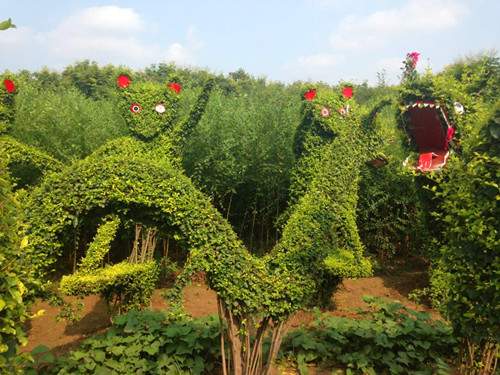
point(175, 87)
point(310, 95)
point(9, 85)
point(135, 108)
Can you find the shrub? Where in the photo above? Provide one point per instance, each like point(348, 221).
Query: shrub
point(466, 277)
point(66, 125)
point(142, 343)
point(12, 308)
point(389, 338)
point(124, 286)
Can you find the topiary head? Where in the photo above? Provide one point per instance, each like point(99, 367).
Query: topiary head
point(149, 108)
point(333, 112)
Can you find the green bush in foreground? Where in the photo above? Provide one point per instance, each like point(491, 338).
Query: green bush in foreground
point(141, 343)
point(389, 339)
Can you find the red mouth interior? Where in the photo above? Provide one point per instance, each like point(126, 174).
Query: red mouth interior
point(427, 129)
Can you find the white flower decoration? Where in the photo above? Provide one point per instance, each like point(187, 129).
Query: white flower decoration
point(325, 112)
point(459, 108)
point(160, 108)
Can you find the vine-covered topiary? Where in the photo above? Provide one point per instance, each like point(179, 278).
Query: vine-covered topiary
point(13, 312)
point(466, 274)
point(150, 111)
point(464, 201)
point(124, 286)
point(320, 242)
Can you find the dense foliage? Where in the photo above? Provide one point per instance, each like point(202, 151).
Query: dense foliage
point(13, 311)
point(141, 343)
point(124, 286)
point(280, 203)
point(388, 338)
point(467, 272)
point(465, 275)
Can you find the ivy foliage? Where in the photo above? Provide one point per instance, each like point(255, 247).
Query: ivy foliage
point(129, 286)
point(100, 246)
point(26, 164)
point(467, 268)
point(13, 312)
point(126, 285)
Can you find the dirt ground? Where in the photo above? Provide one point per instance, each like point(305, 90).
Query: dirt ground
point(201, 301)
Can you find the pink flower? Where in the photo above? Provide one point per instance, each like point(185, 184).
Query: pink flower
point(325, 112)
point(413, 57)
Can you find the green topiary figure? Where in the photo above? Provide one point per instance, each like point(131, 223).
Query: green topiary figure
point(156, 137)
point(142, 174)
point(451, 120)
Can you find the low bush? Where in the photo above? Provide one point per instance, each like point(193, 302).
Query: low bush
point(124, 286)
point(389, 338)
point(141, 343)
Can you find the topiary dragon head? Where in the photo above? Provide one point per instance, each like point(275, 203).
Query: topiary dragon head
point(149, 108)
point(430, 112)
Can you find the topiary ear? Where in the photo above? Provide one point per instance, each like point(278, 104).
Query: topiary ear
point(123, 81)
point(347, 92)
point(310, 94)
point(174, 86)
point(9, 86)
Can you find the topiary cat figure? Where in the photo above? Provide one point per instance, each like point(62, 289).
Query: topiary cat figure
point(140, 176)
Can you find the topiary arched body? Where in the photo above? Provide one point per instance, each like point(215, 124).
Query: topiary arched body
point(150, 111)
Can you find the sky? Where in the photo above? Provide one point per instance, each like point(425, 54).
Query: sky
point(317, 40)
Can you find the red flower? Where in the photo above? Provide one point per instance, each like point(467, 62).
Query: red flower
point(9, 85)
point(175, 87)
point(347, 92)
point(413, 57)
point(310, 95)
point(123, 81)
